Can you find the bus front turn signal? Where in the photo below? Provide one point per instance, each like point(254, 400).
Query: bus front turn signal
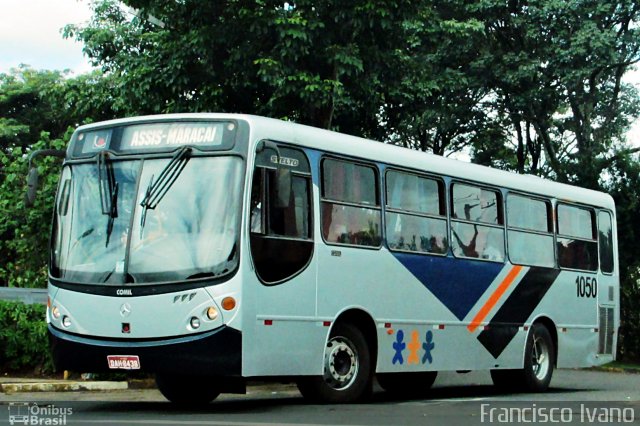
point(228, 303)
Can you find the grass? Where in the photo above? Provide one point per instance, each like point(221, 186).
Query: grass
point(620, 366)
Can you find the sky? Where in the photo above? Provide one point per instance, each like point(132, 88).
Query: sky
point(30, 33)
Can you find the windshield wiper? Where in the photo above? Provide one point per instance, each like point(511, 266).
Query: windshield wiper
point(157, 190)
point(108, 191)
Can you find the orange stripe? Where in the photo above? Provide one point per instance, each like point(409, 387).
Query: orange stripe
point(493, 299)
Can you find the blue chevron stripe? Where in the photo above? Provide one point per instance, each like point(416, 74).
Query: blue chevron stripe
point(457, 283)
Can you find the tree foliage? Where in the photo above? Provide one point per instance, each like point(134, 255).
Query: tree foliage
point(23, 338)
point(556, 70)
point(38, 110)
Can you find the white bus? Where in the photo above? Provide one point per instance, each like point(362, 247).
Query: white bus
point(211, 249)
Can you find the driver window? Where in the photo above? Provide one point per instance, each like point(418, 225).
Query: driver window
point(280, 214)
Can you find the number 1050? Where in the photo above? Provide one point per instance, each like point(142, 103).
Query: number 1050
point(586, 287)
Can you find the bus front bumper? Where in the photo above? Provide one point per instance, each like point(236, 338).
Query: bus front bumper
point(215, 353)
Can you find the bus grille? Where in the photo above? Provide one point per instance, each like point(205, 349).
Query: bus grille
point(606, 330)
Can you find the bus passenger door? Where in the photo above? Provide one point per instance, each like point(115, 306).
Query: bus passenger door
point(282, 248)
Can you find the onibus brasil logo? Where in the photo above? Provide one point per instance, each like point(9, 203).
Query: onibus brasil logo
point(26, 413)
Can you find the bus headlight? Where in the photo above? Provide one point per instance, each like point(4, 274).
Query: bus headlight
point(195, 323)
point(55, 312)
point(212, 313)
point(66, 321)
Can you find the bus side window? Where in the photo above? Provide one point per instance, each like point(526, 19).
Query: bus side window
point(530, 231)
point(605, 240)
point(280, 225)
point(415, 214)
point(477, 223)
point(350, 204)
point(257, 202)
point(280, 233)
point(577, 245)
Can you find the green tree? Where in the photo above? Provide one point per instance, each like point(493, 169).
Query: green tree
point(432, 98)
point(33, 101)
point(24, 232)
point(38, 109)
point(357, 67)
point(556, 68)
point(299, 60)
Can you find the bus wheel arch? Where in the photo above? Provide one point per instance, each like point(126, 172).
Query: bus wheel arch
point(348, 362)
point(553, 331)
point(365, 323)
point(540, 355)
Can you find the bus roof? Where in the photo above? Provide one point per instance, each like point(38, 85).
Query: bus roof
point(365, 149)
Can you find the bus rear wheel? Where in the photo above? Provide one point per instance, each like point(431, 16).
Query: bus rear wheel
point(407, 384)
point(186, 390)
point(538, 364)
point(347, 373)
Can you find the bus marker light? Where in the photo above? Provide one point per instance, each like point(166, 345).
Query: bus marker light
point(212, 313)
point(326, 323)
point(390, 332)
point(228, 303)
point(387, 325)
point(126, 327)
point(268, 322)
point(55, 312)
point(195, 322)
point(66, 321)
point(440, 326)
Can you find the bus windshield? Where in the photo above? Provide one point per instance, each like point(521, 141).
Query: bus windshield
point(191, 232)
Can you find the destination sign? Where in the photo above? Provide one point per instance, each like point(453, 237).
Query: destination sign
point(170, 135)
point(154, 137)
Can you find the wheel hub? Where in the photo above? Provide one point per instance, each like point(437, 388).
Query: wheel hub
point(341, 363)
point(540, 358)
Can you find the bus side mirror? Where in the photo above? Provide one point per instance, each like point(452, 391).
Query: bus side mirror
point(283, 187)
point(32, 186)
point(32, 176)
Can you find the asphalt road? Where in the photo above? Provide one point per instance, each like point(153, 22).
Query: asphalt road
point(575, 397)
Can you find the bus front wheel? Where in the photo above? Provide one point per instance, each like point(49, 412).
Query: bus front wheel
point(347, 373)
point(186, 390)
point(538, 364)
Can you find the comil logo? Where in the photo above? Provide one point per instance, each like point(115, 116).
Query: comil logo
point(25, 413)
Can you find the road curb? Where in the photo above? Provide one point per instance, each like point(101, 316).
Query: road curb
point(62, 386)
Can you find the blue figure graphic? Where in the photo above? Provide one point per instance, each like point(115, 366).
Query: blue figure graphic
point(399, 346)
point(428, 347)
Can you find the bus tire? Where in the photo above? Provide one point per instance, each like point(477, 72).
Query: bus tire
point(186, 390)
point(538, 364)
point(407, 384)
point(539, 359)
point(347, 374)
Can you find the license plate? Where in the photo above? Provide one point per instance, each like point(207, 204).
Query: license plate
point(123, 362)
